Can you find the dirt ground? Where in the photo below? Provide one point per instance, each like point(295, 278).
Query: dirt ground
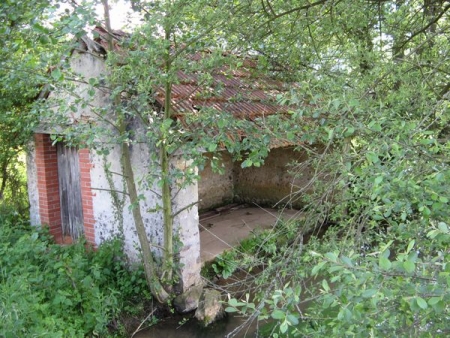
point(223, 230)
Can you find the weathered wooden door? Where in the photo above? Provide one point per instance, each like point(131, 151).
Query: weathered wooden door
point(70, 191)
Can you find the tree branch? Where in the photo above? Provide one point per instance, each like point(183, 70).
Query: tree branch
point(424, 28)
point(300, 8)
point(190, 205)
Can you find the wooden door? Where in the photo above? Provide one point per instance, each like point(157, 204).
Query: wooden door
point(70, 191)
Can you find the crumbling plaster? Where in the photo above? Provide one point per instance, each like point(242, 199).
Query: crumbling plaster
point(216, 189)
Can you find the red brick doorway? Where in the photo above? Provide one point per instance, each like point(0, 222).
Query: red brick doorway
point(56, 198)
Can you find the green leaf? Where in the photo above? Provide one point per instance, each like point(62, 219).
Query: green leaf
point(410, 246)
point(385, 263)
point(44, 39)
point(331, 256)
point(56, 74)
point(317, 268)
point(369, 293)
point(212, 147)
point(247, 163)
point(233, 302)
point(93, 81)
point(283, 327)
point(230, 309)
point(292, 319)
point(375, 126)
point(349, 131)
point(330, 134)
point(372, 157)
point(409, 266)
point(443, 227)
point(278, 315)
point(335, 268)
point(443, 199)
point(433, 233)
point(353, 103)
point(378, 180)
point(325, 285)
point(439, 306)
point(346, 261)
point(421, 302)
point(434, 300)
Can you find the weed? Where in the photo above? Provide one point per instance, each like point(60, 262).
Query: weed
point(254, 250)
point(47, 289)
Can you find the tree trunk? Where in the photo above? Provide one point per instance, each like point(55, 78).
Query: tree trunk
point(168, 263)
point(153, 281)
point(4, 175)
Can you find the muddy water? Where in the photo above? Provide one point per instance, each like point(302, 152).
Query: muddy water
point(188, 327)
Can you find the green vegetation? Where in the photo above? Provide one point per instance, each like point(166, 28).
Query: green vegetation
point(396, 288)
point(256, 251)
point(49, 290)
point(369, 105)
point(371, 110)
point(14, 197)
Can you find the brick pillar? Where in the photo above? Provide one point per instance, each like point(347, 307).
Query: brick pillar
point(48, 185)
point(86, 195)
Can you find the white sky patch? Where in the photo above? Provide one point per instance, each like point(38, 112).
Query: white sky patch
point(121, 15)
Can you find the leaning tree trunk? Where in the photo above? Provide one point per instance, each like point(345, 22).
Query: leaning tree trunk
point(151, 273)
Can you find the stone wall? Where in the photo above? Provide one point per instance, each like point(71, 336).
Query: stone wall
point(215, 189)
point(269, 185)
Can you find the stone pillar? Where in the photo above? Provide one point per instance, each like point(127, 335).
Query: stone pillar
point(186, 224)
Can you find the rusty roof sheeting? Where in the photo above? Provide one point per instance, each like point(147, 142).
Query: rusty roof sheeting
point(241, 93)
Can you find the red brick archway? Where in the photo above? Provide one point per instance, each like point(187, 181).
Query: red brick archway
point(48, 188)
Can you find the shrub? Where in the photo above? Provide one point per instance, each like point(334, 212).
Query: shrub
point(60, 291)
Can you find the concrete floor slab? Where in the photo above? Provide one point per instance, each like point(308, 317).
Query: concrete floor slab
point(225, 230)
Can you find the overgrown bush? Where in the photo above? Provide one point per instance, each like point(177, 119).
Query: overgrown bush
point(13, 183)
point(62, 291)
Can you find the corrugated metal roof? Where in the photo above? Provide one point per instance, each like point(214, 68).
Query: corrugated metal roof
point(242, 93)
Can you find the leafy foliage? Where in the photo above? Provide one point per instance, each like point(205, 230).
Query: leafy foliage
point(51, 290)
point(35, 37)
point(371, 111)
point(257, 250)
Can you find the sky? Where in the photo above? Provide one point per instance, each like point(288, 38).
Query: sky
point(121, 14)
